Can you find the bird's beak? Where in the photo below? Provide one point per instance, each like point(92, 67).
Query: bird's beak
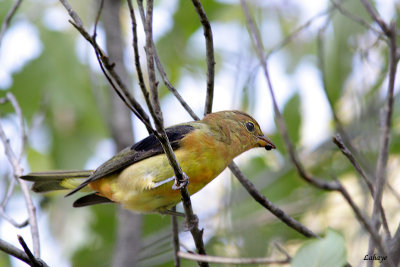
point(264, 141)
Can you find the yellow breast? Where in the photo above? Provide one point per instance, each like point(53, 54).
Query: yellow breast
point(146, 186)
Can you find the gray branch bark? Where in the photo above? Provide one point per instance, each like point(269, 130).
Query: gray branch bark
point(129, 224)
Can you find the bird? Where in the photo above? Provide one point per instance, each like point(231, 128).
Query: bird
point(140, 177)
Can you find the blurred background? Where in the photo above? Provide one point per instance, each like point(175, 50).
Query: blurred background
point(323, 64)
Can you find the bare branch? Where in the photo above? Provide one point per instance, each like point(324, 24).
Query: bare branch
point(155, 110)
point(283, 129)
point(383, 155)
point(19, 254)
point(387, 123)
point(209, 55)
point(375, 16)
point(14, 223)
point(96, 22)
point(17, 172)
point(355, 18)
point(394, 246)
point(172, 88)
point(8, 19)
point(139, 72)
point(366, 223)
point(7, 196)
point(125, 95)
point(175, 238)
point(256, 39)
point(72, 14)
point(338, 141)
point(293, 34)
point(224, 260)
point(160, 68)
point(260, 198)
point(32, 260)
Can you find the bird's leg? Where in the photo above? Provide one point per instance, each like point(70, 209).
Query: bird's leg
point(171, 212)
point(184, 183)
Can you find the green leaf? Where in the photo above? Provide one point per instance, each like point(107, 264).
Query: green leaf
point(328, 251)
point(292, 116)
point(339, 51)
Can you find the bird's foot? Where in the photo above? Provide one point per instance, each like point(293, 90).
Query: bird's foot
point(182, 184)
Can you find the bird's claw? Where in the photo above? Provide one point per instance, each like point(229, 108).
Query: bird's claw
point(182, 184)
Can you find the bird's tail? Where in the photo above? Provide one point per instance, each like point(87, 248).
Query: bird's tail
point(56, 180)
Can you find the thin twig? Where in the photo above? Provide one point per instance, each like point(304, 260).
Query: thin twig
point(362, 219)
point(96, 22)
point(356, 18)
point(260, 198)
point(14, 223)
point(209, 55)
point(380, 182)
point(122, 90)
point(256, 39)
point(72, 14)
point(8, 19)
point(375, 16)
point(394, 246)
point(152, 100)
point(336, 186)
point(7, 196)
point(289, 38)
point(155, 110)
point(175, 238)
point(170, 87)
point(17, 172)
point(225, 260)
point(394, 192)
point(282, 250)
point(387, 123)
point(139, 72)
point(338, 141)
point(33, 261)
point(18, 253)
point(160, 68)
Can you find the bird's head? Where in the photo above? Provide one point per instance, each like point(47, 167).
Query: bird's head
point(241, 129)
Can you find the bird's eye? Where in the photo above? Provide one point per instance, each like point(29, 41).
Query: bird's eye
point(250, 126)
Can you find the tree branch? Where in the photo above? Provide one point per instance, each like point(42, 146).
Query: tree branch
point(375, 16)
point(260, 198)
point(175, 238)
point(338, 141)
point(8, 19)
point(209, 55)
point(20, 254)
point(336, 186)
point(225, 260)
point(256, 39)
point(181, 178)
point(105, 64)
point(355, 18)
point(17, 172)
point(380, 182)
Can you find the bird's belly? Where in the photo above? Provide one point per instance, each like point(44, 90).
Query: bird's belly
point(146, 186)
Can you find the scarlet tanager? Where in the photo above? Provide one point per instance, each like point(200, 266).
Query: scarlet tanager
point(141, 178)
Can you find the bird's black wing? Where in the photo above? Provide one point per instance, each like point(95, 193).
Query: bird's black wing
point(146, 148)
